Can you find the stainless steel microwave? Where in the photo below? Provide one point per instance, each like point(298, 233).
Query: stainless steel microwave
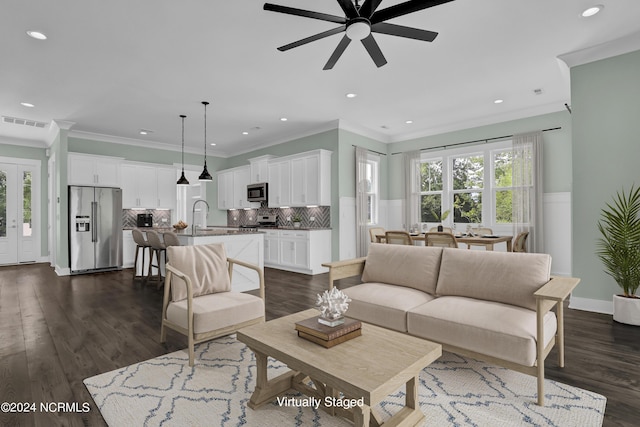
point(257, 192)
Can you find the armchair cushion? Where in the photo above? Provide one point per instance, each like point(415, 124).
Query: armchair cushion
point(216, 311)
point(209, 274)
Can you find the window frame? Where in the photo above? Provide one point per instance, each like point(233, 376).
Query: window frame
point(489, 189)
point(373, 209)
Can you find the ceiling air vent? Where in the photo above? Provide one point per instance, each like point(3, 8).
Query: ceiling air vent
point(24, 122)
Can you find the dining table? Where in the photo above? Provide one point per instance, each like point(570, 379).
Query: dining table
point(478, 240)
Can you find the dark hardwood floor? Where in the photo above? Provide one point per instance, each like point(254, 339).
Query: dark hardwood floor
point(57, 331)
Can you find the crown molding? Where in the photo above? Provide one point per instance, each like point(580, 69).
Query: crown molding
point(22, 142)
point(362, 131)
point(620, 46)
point(130, 141)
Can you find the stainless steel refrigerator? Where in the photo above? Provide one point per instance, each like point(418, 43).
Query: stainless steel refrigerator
point(95, 228)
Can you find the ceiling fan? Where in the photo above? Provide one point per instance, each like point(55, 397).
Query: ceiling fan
point(359, 23)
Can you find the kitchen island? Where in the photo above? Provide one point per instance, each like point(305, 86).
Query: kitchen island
point(243, 246)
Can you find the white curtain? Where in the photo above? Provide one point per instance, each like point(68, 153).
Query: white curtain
point(411, 188)
point(362, 231)
point(528, 188)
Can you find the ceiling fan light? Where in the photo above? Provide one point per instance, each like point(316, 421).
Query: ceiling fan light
point(359, 29)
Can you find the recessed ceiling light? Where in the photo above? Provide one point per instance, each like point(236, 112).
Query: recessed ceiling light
point(283, 119)
point(592, 10)
point(245, 133)
point(27, 104)
point(145, 131)
point(213, 144)
point(351, 95)
point(409, 122)
point(498, 101)
point(36, 35)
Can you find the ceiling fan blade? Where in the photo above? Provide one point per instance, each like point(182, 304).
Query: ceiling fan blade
point(312, 38)
point(304, 13)
point(402, 31)
point(368, 7)
point(404, 9)
point(374, 50)
point(337, 53)
point(348, 8)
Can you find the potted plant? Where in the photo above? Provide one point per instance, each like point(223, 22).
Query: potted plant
point(296, 219)
point(619, 250)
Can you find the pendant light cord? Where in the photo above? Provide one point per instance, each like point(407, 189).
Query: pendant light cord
point(183, 117)
point(205, 132)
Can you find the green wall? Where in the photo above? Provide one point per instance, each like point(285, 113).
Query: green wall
point(557, 148)
point(606, 148)
point(33, 153)
point(347, 140)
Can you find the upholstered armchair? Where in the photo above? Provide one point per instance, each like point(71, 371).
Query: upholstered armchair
point(198, 300)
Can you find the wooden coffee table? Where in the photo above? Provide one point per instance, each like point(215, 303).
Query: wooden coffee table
point(369, 368)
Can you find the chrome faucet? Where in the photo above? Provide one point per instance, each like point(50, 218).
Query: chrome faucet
point(193, 215)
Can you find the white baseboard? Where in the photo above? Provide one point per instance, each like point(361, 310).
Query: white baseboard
point(593, 305)
point(62, 271)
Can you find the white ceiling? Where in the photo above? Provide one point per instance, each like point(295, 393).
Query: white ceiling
point(115, 67)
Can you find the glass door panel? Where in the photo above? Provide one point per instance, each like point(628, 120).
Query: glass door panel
point(8, 214)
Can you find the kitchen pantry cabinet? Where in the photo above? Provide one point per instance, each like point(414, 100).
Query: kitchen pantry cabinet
point(302, 251)
point(148, 187)
point(232, 188)
point(95, 171)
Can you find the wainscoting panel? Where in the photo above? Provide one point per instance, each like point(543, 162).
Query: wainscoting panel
point(557, 231)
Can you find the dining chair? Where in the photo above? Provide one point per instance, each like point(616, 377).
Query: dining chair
point(376, 231)
point(440, 238)
point(198, 300)
point(398, 238)
point(481, 231)
point(520, 242)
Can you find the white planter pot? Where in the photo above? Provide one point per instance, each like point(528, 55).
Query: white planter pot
point(626, 310)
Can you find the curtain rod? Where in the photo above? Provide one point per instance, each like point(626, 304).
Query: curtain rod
point(484, 140)
point(371, 151)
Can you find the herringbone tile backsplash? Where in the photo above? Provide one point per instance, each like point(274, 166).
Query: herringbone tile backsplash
point(130, 217)
point(321, 216)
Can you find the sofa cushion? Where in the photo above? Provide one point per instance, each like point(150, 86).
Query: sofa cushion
point(486, 327)
point(205, 265)
point(506, 277)
point(410, 266)
point(216, 311)
point(384, 305)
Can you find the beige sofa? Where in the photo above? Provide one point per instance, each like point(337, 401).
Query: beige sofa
point(492, 306)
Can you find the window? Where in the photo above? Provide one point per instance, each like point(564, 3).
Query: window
point(474, 184)
point(26, 204)
point(431, 191)
point(372, 187)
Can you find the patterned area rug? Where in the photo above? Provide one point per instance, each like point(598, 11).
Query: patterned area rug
point(165, 391)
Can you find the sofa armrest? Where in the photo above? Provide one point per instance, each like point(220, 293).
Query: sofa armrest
point(343, 269)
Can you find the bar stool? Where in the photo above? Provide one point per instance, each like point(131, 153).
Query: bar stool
point(141, 243)
point(157, 248)
point(170, 239)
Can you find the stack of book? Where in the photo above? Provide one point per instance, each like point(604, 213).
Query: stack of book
point(328, 336)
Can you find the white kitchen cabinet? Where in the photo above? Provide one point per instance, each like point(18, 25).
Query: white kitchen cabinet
point(279, 174)
point(128, 249)
point(311, 179)
point(225, 190)
point(232, 188)
point(99, 171)
point(167, 190)
point(148, 186)
point(302, 251)
point(259, 169)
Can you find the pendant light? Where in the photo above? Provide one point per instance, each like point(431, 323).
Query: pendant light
point(205, 175)
point(183, 181)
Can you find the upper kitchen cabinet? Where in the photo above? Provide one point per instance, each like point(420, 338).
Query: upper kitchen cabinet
point(99, 171)
point(311, 179)
point(232, 188)
point(148, 187)
point(259, 169)
point(279, 179)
